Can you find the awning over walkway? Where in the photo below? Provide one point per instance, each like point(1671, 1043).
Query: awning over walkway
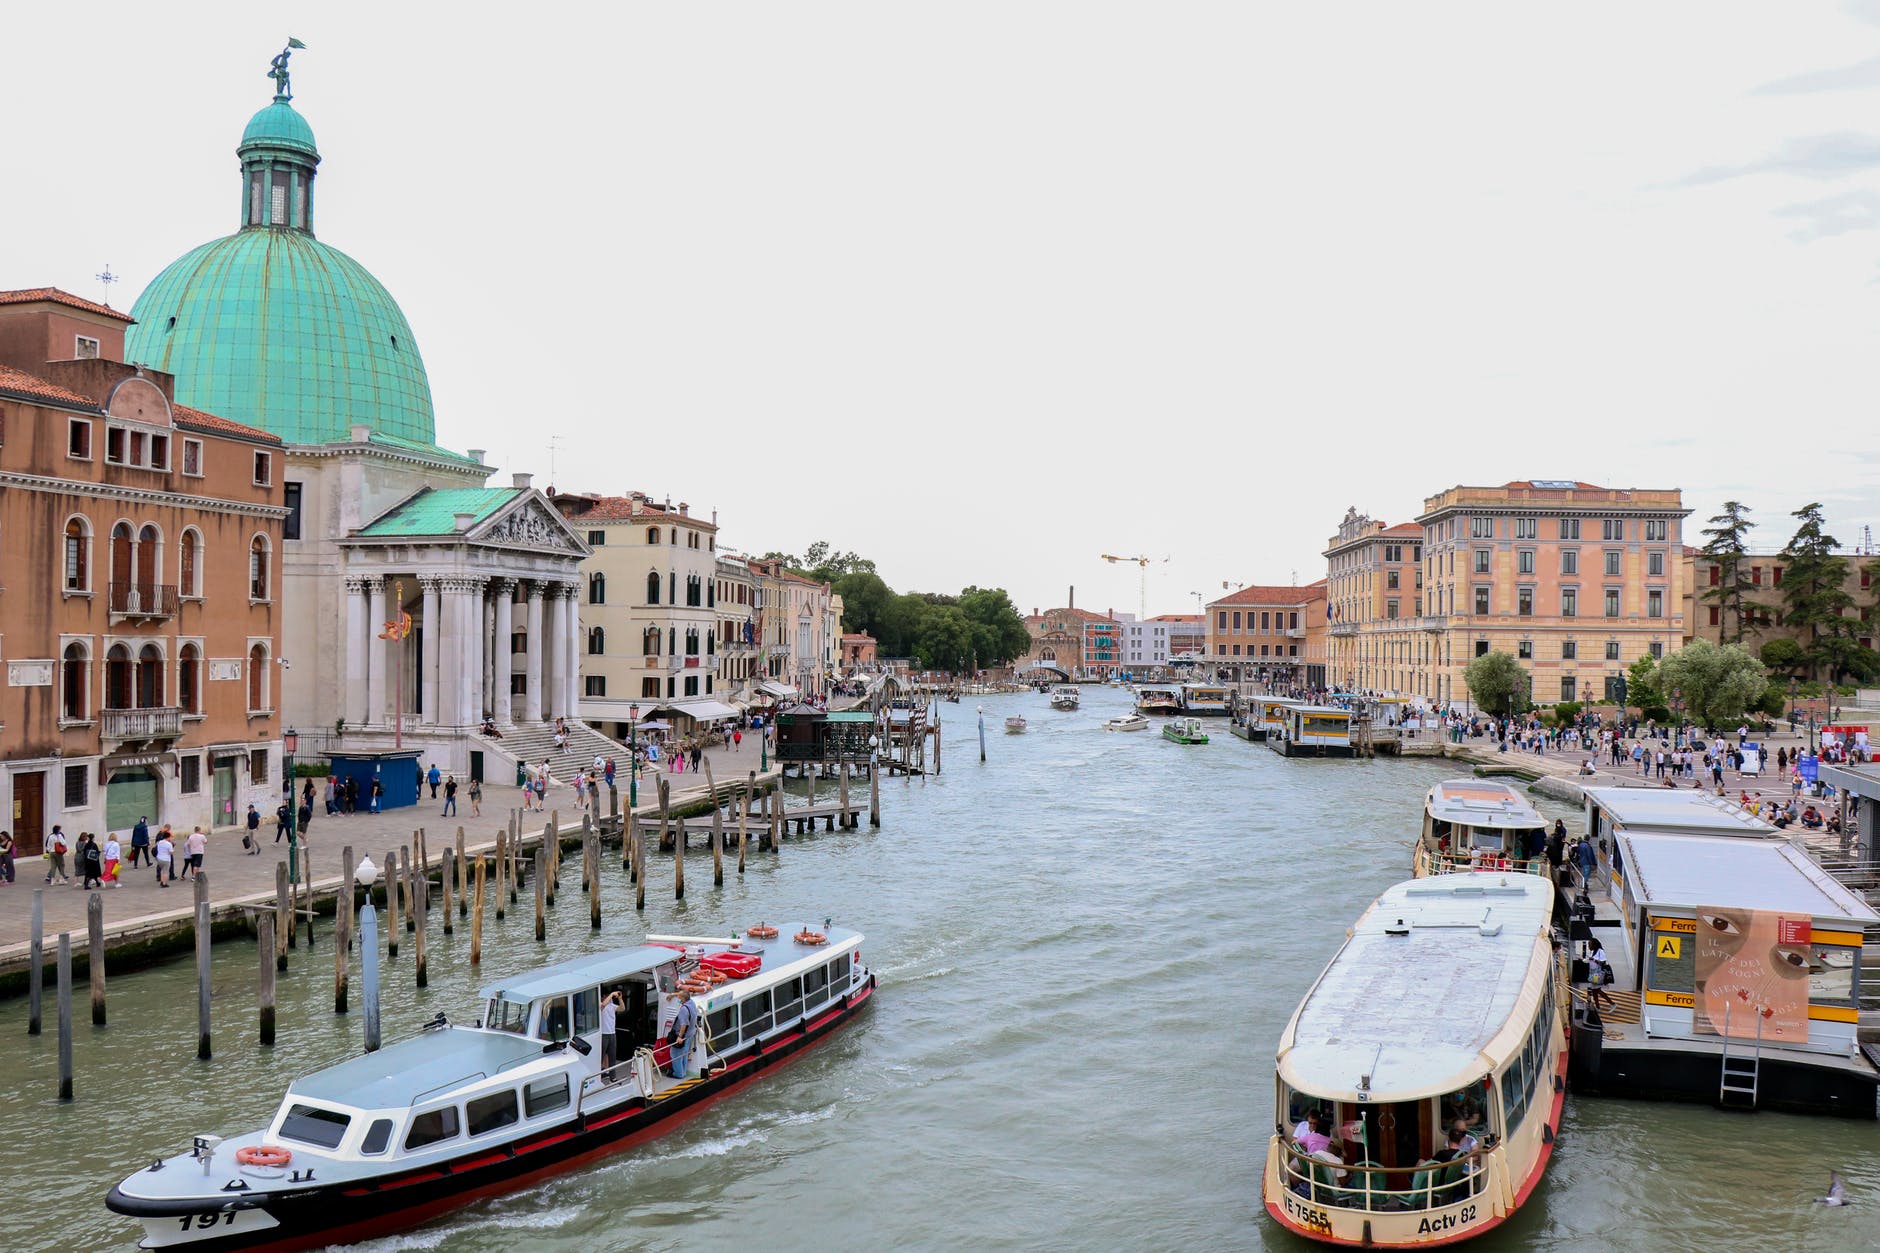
point(703, 710)
point(783, 691)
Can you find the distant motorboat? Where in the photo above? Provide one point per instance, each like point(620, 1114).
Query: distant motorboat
point(1185, 731)
point(1128, 722)
point(1015, 725)
point(1066, 697)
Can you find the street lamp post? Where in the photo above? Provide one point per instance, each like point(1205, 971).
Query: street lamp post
point(633, 755)
point(365, 875)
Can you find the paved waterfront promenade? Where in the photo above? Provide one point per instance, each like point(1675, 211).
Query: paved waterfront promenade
point(138, 906)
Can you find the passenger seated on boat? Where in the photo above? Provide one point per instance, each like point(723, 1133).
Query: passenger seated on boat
point(1310, 1134)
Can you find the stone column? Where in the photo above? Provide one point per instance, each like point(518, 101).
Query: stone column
point(470, 645)
point(434, 627)
point(500, 592)
point(571, 649)
point(353, 704)
point(487, 633)
point(532, 678)
point(376, 618)
point(551, 651)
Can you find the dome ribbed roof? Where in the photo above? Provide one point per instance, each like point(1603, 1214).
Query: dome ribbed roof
point(278, 330)
point(280, 125)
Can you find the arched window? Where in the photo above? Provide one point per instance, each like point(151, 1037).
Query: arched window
point(711, 646)
point(672, 641)
point(672, 587)
point(77, 555)
point(711, 594)
point(597, 641)
point(149, 543)
point(652, 588)
point(149, 677)
point(74, 682)
point(649, 642)
point(691, 642)
point(117, 678)
point(258, 582)
point(189, 569)
point(122, 543)
point(258, 677)
point(652, 535)
point(597, 589)
point(189, 679)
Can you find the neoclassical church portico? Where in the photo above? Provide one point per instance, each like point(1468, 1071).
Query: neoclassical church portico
point(487, 577)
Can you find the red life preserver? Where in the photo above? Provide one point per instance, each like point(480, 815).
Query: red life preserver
point(263, 1155)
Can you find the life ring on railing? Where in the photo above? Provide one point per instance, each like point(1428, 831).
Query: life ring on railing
point(811, 937)
point(263, 1155)
point(762, 931)
point(713, 977)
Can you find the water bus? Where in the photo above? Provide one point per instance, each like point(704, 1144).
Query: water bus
point(390, 1139)
point(1015, 725)
point(1184, 731)
point(1065, 697)
point(1207, 700)
point(1736, 962)
point(1127, 722)
point(1478, 824)
point(1269, 715)
point(1154, 698)
point(1445, 1008)
point(1313, 731)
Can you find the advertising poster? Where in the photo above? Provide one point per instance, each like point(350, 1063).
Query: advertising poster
point(1752, 968)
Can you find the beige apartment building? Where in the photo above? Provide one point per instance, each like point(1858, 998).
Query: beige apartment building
point(649, 610)
point(1575, 580)
point(1272, 634)
point(1374, 577)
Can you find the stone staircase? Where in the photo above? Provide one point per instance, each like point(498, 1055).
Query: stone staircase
point(535, 743)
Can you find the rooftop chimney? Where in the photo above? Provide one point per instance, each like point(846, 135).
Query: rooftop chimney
point(638, 505)
point(361, 432)
point(522, 481)
point(476, 454)
point(1073, 603)
point(685, 510)
point(463, 521)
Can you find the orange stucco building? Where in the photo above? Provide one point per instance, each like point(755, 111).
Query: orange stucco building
point(139, 590)
point(1273, 634)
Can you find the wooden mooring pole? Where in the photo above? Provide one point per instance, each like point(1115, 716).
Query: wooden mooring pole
point(502, 869)
point(476, 914)
point(264, 948)
point(639, 860)
point(203, 940)
point(65, 1016)
point(342, 929)
point(36, 972)
point(393, 890)
point(283, 916)
point(463, 879)
point(94, 956)
point(541, 892)
point(444, 874)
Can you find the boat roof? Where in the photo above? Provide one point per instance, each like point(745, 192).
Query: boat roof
point(1417, 1011)
point(1481, 803)
point(395, 1076)
point(1217, 686)
point(1693, 871)
point(1663, 809)
point(1322, 709)
point(580, 973)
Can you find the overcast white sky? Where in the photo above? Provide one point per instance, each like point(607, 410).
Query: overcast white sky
point(983, 290)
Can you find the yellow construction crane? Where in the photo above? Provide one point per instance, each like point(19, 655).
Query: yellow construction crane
point(1143, 564)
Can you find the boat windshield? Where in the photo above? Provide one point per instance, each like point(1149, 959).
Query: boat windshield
point(1387, 1155)
point(507, 1015)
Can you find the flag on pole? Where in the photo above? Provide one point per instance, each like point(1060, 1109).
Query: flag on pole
point(294, 43)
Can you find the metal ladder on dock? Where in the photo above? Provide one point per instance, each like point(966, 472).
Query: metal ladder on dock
point(1739, 1077)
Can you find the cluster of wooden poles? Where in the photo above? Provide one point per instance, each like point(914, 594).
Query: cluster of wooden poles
point(463, 880)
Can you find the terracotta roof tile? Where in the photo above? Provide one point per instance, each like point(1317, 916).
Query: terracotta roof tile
point(1258, 594)
point(620, 509)
point(1404, 528)
point(196, 419)
point(32, 295)
point(24, 386)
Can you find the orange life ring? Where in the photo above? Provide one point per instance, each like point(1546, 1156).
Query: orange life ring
point(263, 1155)
point(712, 976)
point(762, 931)
point(694, 986)
point(811, 937)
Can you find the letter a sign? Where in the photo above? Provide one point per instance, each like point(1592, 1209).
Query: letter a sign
point(1669, 947)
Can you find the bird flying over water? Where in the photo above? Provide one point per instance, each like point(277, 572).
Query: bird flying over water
point(1837, 1190)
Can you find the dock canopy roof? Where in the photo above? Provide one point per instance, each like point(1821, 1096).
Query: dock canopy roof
point(1692, 871)
point(577, 974)
point(702, 710)
point(1661, 809)
point(1432, 973)
point(782, 691)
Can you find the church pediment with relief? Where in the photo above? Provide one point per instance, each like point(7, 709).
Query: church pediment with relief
point(531, 525)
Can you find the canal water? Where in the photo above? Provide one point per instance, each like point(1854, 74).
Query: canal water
point(1087, 948)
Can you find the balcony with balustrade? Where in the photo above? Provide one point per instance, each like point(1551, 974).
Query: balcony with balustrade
point(162, 722)
point(148, 601)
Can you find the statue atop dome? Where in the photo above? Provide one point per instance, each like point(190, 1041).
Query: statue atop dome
point(279, 71)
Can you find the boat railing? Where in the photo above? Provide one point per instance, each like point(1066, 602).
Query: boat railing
point(1434, 861)
point(454, 1083)
point(1366, 1185)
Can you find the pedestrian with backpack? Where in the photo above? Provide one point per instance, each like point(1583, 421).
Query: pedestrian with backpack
point(56, 849)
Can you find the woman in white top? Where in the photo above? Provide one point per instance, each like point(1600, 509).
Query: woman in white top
point(166, 858)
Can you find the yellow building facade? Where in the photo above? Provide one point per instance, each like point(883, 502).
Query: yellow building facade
point(1374, 580)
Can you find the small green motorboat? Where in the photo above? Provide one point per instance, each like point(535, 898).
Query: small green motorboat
point(1185, 731)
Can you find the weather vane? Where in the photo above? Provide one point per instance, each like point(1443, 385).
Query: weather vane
point(279, 71)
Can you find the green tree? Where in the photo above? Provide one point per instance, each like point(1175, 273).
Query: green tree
point(999, 633)
point(866, 600)
point(945, 639)
point(1784, 655)
point(1726, 548)
point(1497, 684)
point(1813, 588)
point(1717, 684)
point(1641, 684)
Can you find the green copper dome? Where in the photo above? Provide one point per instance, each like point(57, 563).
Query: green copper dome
point(271, 327)
point(280, 124)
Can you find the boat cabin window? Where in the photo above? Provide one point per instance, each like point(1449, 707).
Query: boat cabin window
point(545, 1095)
point(485, 1114)
point(507, 1015)
point(433, 1126)
point(755, 1010)
point(815, 986)
point(723, 1024)
point(839, 972)
point(1470, 1106)
point(587, 1011)
point(554, 1019)
point(1487, 841)
point(378, 1135)
point(309, 1124)
point(789, 1000)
